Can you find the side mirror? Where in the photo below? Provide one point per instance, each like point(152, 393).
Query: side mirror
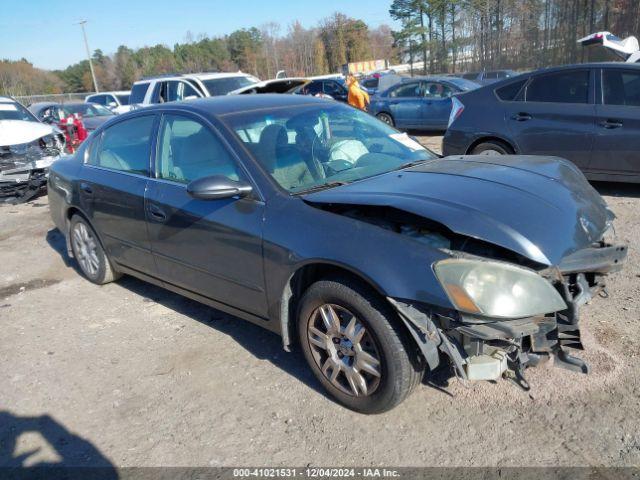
point(217, 187)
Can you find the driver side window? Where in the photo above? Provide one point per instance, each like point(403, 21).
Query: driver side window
point(188, 150)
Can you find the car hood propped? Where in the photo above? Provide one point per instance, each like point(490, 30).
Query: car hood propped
point(540, 207)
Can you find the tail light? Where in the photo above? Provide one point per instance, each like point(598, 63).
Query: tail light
point(456, 110)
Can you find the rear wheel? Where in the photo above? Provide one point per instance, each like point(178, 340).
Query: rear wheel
point(386, 118)
point(89, 253)
point(350, 341)
point(492, 148)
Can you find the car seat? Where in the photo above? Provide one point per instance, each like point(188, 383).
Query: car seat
point(282, 161)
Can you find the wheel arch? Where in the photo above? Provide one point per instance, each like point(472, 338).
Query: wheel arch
point(301, 279)
point(71, 211)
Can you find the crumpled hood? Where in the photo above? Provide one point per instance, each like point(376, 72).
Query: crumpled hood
point(540, 207)
point(17, 132)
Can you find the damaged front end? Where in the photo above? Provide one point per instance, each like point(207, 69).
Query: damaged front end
point(481, 347)
point(24, 167)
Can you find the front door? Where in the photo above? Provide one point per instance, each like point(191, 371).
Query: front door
point(436, 106)
point(113, 187)
point(556, 116)
point(210, 247)
point(617, 142)
point(405, 103)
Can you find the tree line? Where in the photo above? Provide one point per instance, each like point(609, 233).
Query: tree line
point(457, 35)
point(262, 51)
point(448, 35)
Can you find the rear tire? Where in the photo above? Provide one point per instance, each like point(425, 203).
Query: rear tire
point(88, 252)
point(386, 118)
point(492, 148)
point(349, 338)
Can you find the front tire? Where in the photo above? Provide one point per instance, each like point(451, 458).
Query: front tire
point(88, 252)
point(351, 342)
point(386, 118)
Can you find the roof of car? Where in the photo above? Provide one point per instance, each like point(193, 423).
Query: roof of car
point(586, 65)
point(200, 76)
point(225, 104)
point(427, 78)
point(114, 92)
point(7, 99)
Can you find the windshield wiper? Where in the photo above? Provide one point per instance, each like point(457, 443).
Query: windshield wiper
point(412, 164)
point(324, 186)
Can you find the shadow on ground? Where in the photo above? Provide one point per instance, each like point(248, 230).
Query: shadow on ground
point(617, 189)
point(49, 450)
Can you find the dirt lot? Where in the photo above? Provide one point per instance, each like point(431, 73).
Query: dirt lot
point(128, 374)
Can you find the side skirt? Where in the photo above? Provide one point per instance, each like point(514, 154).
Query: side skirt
point(260, 321)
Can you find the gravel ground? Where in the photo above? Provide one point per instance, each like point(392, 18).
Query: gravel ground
point(131, 375)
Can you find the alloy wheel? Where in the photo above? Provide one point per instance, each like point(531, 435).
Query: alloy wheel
point(344, 350)
point(85, 247)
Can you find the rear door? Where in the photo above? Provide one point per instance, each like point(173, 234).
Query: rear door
point(210, 247)
point(112, 191)
point(617, 141)
point(405, 103)
point(555, 116)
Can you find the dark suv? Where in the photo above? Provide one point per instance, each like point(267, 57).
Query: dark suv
point(589, 114)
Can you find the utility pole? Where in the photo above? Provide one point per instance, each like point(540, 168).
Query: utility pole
point(86, 46)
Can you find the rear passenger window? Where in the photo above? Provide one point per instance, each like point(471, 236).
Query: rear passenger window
point(561, 87)
point(509, 93)
point(621, 87)
point(138, 92)
point(125, 146)
point(100, 99)
point(189, 150)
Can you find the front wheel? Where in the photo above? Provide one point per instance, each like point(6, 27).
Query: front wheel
point(386, 118)
point(351, 342)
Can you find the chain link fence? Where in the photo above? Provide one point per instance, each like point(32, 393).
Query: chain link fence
point(27, 100)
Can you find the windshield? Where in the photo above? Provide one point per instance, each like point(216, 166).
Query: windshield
point(319, 146)
point(123, 99)
point(87, 110)
point(15, 111)
point(222, 86)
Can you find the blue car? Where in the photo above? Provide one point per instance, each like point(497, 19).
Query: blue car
point(419, 103)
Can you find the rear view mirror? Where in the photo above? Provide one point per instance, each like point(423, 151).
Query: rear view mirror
point(217, 187)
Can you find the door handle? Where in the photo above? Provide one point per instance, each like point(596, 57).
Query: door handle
point(86, 188)
point(521, 117)
point(157, 213)
point(609, 124)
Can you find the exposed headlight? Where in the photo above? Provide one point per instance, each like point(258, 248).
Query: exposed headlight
point(494, 289)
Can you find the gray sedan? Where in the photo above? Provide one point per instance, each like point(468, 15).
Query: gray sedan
point(344, 236)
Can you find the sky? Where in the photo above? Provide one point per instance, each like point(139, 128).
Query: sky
point(43, 31)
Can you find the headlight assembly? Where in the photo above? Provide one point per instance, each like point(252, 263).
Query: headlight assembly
point(494, 289)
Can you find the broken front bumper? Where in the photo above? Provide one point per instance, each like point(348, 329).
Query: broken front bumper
point(487, 349)
point(24, 180)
